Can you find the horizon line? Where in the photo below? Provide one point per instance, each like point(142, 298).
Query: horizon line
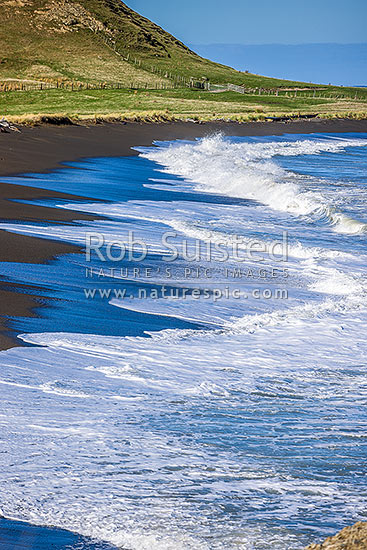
point(278, 44)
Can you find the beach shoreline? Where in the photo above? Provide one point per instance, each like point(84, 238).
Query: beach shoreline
point(14, 298)
point(41, 149)
point(45, 148)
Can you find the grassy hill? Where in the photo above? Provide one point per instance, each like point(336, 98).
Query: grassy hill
point(94, 40)
point(49, 40)
point(104, 43)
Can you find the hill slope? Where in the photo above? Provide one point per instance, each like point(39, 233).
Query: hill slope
point(47, 39)
point(97, 40)
point(94, 42)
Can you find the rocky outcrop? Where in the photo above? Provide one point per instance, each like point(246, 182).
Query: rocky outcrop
point(70, 16)
point(6, 126)
point(349, 538)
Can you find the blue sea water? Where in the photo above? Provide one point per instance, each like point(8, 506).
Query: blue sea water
point(233, 419)
point(21, 535)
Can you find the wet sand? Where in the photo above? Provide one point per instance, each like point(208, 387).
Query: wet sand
point(43, 148)
point(14, 298)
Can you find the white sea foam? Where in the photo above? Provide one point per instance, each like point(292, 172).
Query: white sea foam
point(246, 170)
point(127, 457)
point(214, 439)
point(313, 268)
point(195, 220)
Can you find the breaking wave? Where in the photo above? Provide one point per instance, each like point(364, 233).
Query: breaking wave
point(247, 170)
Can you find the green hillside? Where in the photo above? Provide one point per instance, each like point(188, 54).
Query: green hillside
point(99, 40)
point(79, 44)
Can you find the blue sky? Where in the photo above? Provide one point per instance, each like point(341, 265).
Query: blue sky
point(259, 21)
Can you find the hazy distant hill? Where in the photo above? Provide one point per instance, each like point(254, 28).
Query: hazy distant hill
point(339, 64)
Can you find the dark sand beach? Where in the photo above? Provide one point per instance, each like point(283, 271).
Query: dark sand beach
point(15, 300)
point(43, 148)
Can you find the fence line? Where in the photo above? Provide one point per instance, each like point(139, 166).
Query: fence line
point(75, 86)
point(235, 88)
point(173, 80)
point(289, 93)
point(180, 81)
point(72, 85)
point(177, 79)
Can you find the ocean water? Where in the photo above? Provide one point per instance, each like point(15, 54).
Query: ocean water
point(215, 400)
